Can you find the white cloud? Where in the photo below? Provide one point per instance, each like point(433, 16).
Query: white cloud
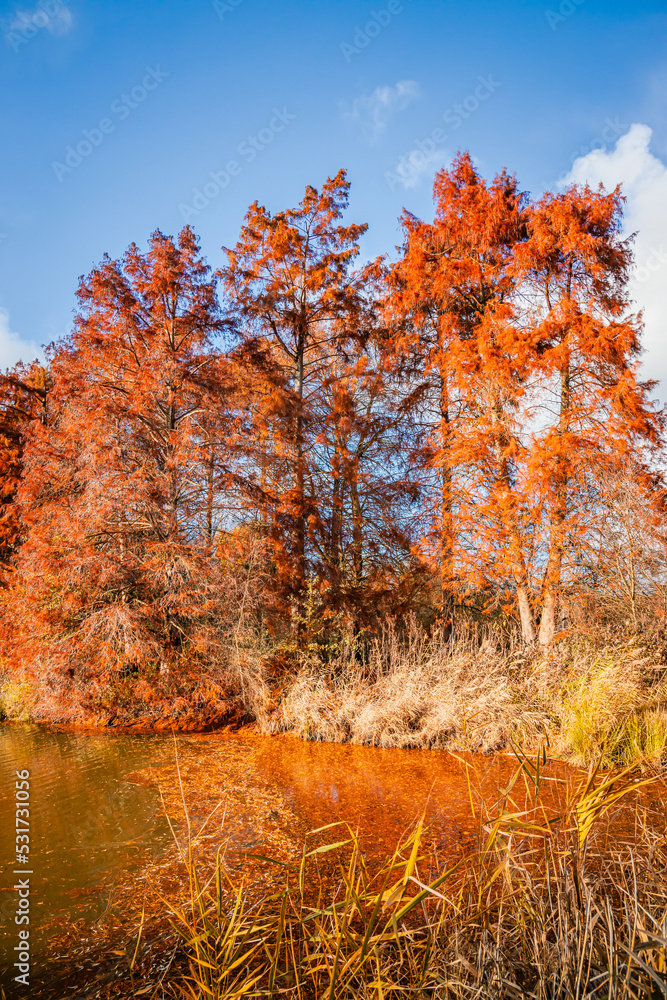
point(644, 183)
point(22, 25)
point(14, 348)
point(372, 111)
point(419, 163)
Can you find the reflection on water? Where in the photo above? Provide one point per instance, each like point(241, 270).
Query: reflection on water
point(86, 822)
point(96, 817)
point(382, 793)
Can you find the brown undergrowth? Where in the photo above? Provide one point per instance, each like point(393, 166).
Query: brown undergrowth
point(185, 702)
point(588, 700)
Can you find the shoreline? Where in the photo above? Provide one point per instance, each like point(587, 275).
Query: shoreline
point(251, 729)
point(591, 703)
point(160, 726)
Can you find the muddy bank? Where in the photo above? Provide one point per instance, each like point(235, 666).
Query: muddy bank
point(228, 721)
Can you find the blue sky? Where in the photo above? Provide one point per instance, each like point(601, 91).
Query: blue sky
point(115, 114)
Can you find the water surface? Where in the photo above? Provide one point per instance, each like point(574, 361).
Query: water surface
point(99, 836)
point(88, 823)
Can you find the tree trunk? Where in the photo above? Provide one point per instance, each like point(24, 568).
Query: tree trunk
point(299, 537)
point(210, 485)
point(552, 578)
point(525, 613)
point(551, 586)
point(335, 545)
point(518, 562)
point(446, 513)
point(357, 528)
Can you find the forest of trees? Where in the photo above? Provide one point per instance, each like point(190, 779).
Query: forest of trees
point(301, 445)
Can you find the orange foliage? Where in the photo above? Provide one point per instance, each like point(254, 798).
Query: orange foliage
point(329, 443)
point(117, 573)
point(23, 401)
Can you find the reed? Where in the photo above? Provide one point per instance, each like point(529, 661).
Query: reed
point(546, 906)
point(469, 691)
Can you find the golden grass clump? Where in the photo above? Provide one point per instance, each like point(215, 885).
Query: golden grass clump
point(414, 692)
point(614, 707)
point(425, 692)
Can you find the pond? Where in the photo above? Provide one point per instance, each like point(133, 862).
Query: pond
point(98, 800)
point(86, 822)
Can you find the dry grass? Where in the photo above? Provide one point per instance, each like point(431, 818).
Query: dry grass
point(417, 695)
point(613, 705)
point(543, 909)
point(416, 691)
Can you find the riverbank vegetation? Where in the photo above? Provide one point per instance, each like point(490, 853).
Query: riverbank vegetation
point(403, 502)
point(588, 702)
point(546, 907)
point(560, 892)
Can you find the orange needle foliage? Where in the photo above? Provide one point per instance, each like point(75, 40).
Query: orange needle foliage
point(23, 400)
point(460, 433)
point(593, 415)
point(299, 305)
point(118, 573)
point(509, 310)
point(456, 287)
